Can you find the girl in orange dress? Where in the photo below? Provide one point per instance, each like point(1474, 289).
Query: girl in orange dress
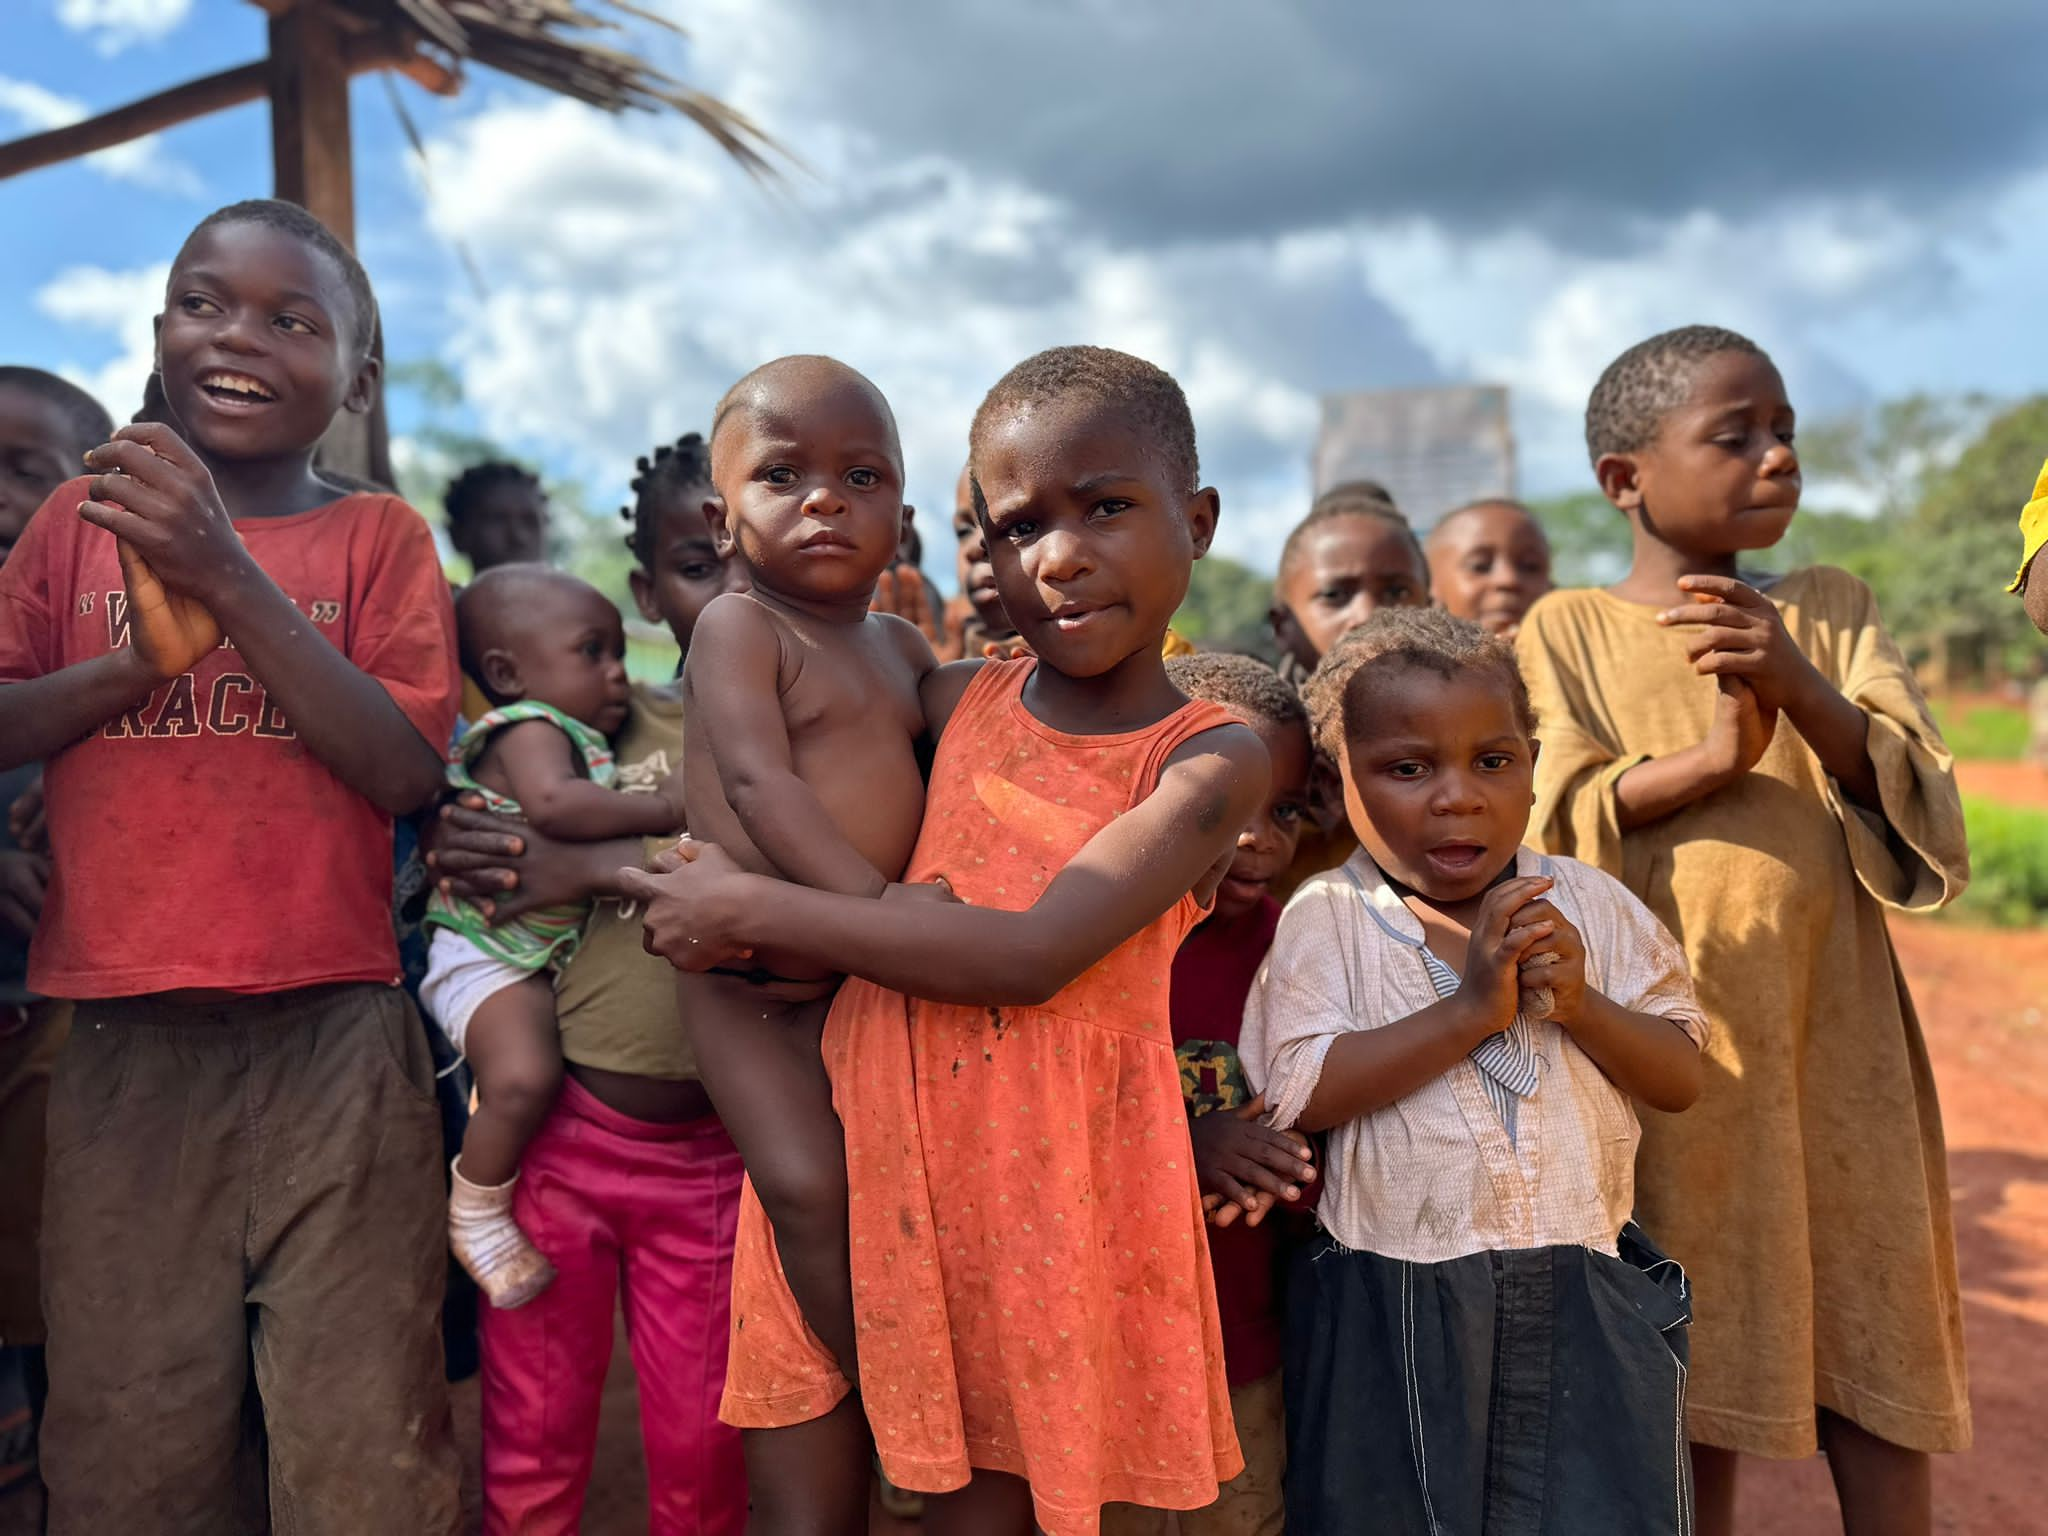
point(1037, 1323)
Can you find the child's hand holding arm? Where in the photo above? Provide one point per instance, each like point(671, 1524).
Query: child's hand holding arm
point(1734, 744)
point(1647, 1057)
point(154, 495)
point(1738, 633)
point(708, 913)
point(540, 766)
point(509, 868)
point(734, 667)
point(1368, 1069)
point(1243, 1166)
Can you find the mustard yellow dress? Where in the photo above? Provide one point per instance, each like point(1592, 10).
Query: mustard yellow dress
point(1806, 1192)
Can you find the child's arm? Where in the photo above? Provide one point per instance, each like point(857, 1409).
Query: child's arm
point(1368, 1069)
point(736, 709)
point(1735, 743)
point(169, 511)
point(41, 716)
point(539, 763)
point(1738, 633)
point(44, 707)
point(707, 913)
point(1647, 1056)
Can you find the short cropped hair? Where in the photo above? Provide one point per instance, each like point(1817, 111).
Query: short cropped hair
point(672, 468)
point(1436, 534)
point(1144, 391)
point(496, 607)
point(291, 219)
point(1649, 381)
point(476, 482)
point(1247, 687)
point(1428, 638)
point(734, 397)
point(1352, 498)
point(86, 417)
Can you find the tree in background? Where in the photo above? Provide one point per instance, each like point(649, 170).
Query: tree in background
point(1226, 607)
point(439, 444)
point(1932, 483)
point(1956, 550)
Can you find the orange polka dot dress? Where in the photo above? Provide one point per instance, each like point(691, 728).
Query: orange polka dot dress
point(1031, 1275)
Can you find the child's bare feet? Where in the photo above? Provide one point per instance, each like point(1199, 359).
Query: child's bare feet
point(488, 1244)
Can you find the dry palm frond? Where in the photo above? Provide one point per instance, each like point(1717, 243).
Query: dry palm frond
point(554, 44)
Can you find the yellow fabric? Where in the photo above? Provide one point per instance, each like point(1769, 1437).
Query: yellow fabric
point(474, 705)
point(1806, 1193)
point(2033, 528)
point(615, 1003)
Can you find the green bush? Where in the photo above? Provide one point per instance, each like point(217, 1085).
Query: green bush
point(2008, 863)
point(1983, 733)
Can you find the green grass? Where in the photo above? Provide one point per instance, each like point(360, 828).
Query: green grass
point(2008, 864)
point(1983, 733)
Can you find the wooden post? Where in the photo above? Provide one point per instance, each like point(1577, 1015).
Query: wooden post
point(311, 148)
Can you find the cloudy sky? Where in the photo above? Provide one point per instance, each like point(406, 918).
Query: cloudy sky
point(1271, 200)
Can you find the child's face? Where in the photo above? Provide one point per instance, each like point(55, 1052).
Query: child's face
point(1488, 564)
point(257, 344)
point(567, 647)
point(1721, 476)
point(1090, 540)
point(977, 575)
point(507, 525)
point(1343, 571)
point(1439, 788)
point(39, 451)
point(1266, 847)
point(810, 487)
point(686, 572)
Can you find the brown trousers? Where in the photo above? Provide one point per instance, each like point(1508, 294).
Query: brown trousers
point(247, 1195)
point(26, 1057)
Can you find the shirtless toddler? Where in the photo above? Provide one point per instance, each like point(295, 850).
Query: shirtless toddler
point(801, 722)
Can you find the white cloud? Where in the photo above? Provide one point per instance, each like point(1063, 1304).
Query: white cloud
point(1515, 309)
point(118, 308)
point(115, 24)
point(139, 162)
point(633, 276)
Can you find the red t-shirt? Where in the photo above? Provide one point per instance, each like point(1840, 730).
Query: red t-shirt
point(198, 843)
point(1212, 976)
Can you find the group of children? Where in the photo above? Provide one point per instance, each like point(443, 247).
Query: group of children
point(1455, 1081)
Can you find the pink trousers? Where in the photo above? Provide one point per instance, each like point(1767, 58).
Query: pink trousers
point(647, 1212)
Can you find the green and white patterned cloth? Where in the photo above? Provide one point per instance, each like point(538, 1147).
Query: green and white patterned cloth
point(548, 936)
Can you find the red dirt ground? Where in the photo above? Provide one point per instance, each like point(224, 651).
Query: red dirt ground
point(2014, 783)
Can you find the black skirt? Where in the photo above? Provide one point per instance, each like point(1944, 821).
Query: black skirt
point(1533, 1392)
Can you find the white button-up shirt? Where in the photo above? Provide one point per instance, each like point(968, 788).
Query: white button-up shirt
point(1435, 1175)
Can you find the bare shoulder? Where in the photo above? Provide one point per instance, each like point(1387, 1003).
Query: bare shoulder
point(942, 690)
point(526, 744)
point(1233, 741)
point(1222, 771)
point(905, 640)
point(733, 619)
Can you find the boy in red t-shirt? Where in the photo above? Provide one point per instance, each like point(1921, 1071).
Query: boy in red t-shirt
point(1241, 1165)
point(237, 677)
